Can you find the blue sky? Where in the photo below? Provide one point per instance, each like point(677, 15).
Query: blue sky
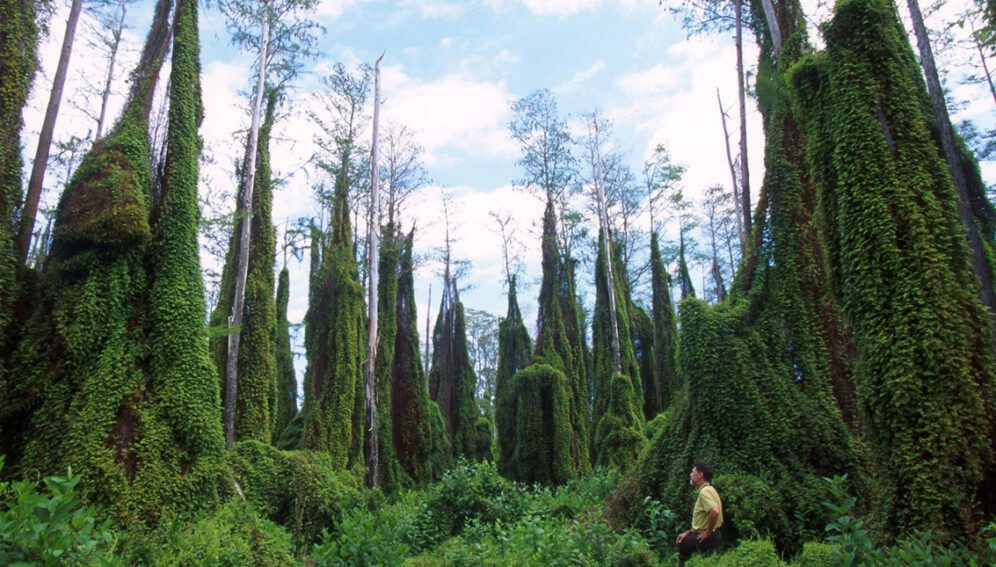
point(450, 72)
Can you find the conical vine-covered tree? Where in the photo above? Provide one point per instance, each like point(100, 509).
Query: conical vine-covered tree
point(924, 364)
point(451, 380)
point(332, 415)
point(514, 354)
point(559, 341)
point(605, 367)
point(123, 387)
point(285, 407)
point(665, 329)
point(604, 362)
point(421, 441)
point(391, 475)
point(643, 349)
point(256, 386)
point(684, 277)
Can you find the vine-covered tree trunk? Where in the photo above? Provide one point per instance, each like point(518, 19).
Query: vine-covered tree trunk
point(514, 353)
point(257, 371)
point(418, 428)
point(123, 387)
point(924, 360)
point(559, 341)
point(18, 60)
point(452, 382)
point(286, 392)
point(333, 394)
point(665, 328)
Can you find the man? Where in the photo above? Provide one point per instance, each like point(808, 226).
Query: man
point(707, 516)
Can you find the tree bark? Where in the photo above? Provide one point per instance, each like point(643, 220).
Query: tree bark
point(772, 19)
point(428, 306)
point(37, 179)
point(737, 203)
point(985, 66)
point(952, 156)
point(242, 267)
point(373, 456)
point(745, 209)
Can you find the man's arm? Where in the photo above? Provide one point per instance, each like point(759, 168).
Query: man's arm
point(710, 523)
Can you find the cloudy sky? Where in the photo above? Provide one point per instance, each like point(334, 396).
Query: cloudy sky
point(450, 71)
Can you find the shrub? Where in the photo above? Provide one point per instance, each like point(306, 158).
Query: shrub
point(301, 490)
point(232, 536)
point(363, 539)
point(756, 553)
point(53, 528)
point(752, 509)
point(817, 554)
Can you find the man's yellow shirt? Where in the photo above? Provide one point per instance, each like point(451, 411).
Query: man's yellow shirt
point(708, 497)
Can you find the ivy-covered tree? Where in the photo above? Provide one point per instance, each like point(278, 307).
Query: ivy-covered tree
point(643, 350)
point(18, 61)
point(391, 475)
point(514, 353)
point(121, 385)
point(665, 376)
point(452, 382)
point(619, 435)
point(257, 366)
point(421, 441)
point(604, 369)
point(924, 369)
point(333, 402)
point(285, 407)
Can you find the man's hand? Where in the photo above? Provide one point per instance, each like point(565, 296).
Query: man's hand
point(681, 537)
point(704, 535)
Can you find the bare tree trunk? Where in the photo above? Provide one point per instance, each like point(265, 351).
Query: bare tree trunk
point(985, 66)
point(106, 96)
point(772, 19)
point(951, 154)
point(717, 276)
point(37, 179)
point(613, 320)
point(373, 456)
point(428, 306)
point(737, 204)
point(742, 97)
point(242, 267)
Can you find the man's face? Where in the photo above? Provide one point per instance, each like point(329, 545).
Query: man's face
point(695, 477)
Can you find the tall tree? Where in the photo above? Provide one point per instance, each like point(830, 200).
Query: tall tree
point(37, 179)
point(665, 329)
point(256, 363)
point(373, 227)
point(418, 427)
point(18, 60)
point(514, 353)
point(125, 393)
point(903, 271)
point(285, 407)
point(559, 342)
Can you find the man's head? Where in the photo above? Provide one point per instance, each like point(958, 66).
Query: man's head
point(701, 474)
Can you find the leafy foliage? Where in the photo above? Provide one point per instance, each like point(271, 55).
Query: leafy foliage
point(51, 529)
point(514, 346)
point(285, 407)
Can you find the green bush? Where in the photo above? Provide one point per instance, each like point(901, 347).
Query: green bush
point(232, 536)
point(817, 554)
point(755, 553)
point(752, 509)
point(301, 490)
point(471, 492)
point(53, 528)
point(363, 539)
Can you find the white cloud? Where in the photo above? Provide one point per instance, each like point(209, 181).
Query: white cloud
point(580, 77)
point(560, 8)
point(674, 103)
point(450, 113)
point(438, 9)
point(332, 9)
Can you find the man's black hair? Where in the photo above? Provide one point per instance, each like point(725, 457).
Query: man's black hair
point(703, 468)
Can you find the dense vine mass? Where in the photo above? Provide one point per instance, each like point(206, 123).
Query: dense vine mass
point(842, 384)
